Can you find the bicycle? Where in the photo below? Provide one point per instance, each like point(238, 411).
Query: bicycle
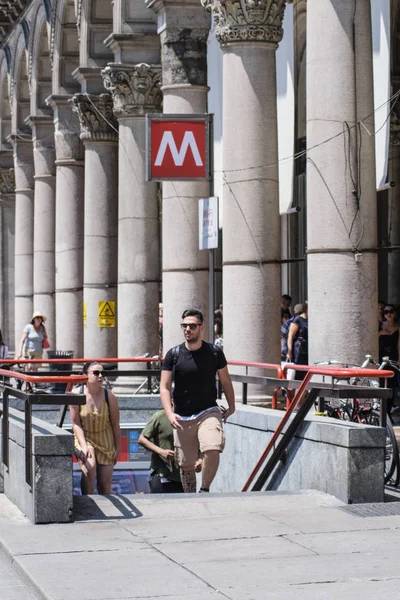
point(358, 411)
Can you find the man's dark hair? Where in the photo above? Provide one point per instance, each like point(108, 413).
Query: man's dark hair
point(286, 297)
point(193, 312)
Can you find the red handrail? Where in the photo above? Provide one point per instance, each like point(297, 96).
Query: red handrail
point(20, 361)
point(43, 378)
point(341, 372)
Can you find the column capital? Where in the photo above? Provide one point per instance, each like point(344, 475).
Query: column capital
point(247, 20)
point(7, 181)
point(135, 89)
point(184, 29)
point(69, 147)
point(96, 117)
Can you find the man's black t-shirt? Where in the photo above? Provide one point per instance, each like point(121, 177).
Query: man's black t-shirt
point(195, 371)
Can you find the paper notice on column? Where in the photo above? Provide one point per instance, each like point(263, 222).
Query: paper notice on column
point(285, 106)
point(208, 223)
point(380, 15)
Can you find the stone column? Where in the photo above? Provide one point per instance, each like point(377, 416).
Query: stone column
point(249, 34)
point(100, 136)
point(24, 219)
point(394, 213)
point(7, 216)
point(341, 192)
point(68, 226)
point(184, 32)
point(136, 91)
point(44, 219)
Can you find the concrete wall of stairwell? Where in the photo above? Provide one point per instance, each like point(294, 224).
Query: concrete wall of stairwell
point(339, 458)
point(51, 497)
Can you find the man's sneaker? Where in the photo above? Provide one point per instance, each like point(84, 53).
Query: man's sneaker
point(203, 490)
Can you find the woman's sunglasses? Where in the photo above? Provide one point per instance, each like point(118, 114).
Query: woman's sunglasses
point(389, 311)
point(96, 373)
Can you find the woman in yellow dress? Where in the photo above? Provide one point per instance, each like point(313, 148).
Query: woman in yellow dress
point(96, 431)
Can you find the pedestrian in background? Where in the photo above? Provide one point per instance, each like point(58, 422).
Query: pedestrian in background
point(286, 303)
point(298, 341)
point(34, 340)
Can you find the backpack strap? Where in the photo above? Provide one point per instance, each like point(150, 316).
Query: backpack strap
point(175, 355)
point(214, 350)
point(106, 397)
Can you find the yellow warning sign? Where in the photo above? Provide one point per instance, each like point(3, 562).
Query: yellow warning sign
point(106, 314)
point(84, 314)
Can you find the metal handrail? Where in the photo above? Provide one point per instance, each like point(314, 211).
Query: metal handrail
point(303, 404)
point(30, 399)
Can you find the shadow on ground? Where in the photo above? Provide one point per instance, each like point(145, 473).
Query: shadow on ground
point(104, 508)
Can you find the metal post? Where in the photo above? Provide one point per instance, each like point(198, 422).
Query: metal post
point(211, 294)
point(244, 397)
point(5, 429)
point(28, 442)
point(211, 291)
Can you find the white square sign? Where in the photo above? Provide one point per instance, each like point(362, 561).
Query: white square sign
point(208, 223)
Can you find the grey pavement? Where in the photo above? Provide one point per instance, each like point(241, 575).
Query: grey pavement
point(255, 546)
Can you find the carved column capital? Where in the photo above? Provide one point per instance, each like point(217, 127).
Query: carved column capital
point(247, 20)
point(7, 181)
point(96, 117)
point(135, 89)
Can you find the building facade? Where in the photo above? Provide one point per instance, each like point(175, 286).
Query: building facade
point(82, 231)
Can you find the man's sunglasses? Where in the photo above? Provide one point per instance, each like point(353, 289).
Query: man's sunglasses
point(192, 326)
point(97, 373)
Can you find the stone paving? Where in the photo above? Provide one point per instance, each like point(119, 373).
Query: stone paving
point(255, 546)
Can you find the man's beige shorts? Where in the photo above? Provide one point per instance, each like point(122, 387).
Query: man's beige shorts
point(197, 436)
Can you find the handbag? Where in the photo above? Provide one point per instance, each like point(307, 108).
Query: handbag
point(45, 343)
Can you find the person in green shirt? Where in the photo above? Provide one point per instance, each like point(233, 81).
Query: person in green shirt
point(157, 436)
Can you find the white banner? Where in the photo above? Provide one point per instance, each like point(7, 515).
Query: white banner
point(285, 102)
point(380, 14)
point(208, 223)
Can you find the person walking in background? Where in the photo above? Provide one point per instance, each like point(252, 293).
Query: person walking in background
point(3, 347)
point(286, 303)
point(389, 346)
point(286, 320)
point(34, 340)
point(96, 431)
point(219, 327)
point(298, 341)
point(196, 418)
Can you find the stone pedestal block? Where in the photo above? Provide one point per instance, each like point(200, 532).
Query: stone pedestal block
point(50, 499)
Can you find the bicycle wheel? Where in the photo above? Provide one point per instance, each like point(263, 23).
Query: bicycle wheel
point(392, 460)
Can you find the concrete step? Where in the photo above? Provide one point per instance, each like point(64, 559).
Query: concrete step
point(255, 546)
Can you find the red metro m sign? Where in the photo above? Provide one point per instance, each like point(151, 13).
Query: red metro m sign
point(178, 147)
